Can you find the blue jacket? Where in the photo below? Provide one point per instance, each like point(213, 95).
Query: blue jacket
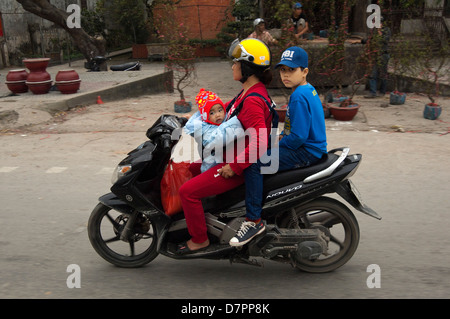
point(305, 122)
point(212, 137)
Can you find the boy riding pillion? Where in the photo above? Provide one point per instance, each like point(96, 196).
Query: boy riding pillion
point(302, 142)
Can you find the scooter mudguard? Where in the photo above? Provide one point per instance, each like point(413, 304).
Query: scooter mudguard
point(347, 190)
point(113, 202)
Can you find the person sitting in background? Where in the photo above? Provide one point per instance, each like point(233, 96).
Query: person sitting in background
point(261, 33)
point(298, 19)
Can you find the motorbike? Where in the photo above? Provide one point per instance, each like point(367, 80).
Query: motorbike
point(96, 63)
point(304, 228)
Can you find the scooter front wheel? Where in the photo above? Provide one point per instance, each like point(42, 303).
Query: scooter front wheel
point(104, 230)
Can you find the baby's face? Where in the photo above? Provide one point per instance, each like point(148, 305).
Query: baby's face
point(216, 114)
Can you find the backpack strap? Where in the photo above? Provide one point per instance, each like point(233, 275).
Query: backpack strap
point(230, 105)
point(270, 104)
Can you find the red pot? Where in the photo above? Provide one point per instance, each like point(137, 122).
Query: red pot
point(17, 75)
point(39, 80)
point(38, 77)
point(39, 64)
point(68, 87)
point(41, 87)
point(344, 113)
point(16, 81)
point(68, 81)
point(66, 75)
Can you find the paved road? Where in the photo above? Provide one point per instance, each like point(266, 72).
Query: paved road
point(50, 183)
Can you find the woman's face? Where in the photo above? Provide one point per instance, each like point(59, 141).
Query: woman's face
point(237, 74)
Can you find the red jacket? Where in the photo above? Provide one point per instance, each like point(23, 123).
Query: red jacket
point(256, 119)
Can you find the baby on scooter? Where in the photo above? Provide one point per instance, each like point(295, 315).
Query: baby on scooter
point(211, 129)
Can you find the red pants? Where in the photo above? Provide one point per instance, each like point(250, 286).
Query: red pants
point(201, 186)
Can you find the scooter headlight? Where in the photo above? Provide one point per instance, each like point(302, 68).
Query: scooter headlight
point(120, 171)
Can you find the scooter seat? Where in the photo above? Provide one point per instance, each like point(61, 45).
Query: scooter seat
point(271, 182)
point(130, 66)
point(284, 178)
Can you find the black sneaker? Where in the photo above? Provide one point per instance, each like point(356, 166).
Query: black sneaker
point(247, 231)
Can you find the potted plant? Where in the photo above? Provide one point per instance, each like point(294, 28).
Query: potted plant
point(346, 108)
point(331, 98)
point(343, 108)
point(402, 54)
point(330, 63)
point(181, 54)
point(432, 60)
point(181, 61)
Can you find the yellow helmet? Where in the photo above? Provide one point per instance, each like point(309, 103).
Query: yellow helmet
point(251, 50)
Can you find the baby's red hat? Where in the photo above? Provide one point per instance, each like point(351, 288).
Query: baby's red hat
point(205, 100)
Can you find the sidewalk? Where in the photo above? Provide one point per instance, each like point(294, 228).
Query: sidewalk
point(133, 100)
point(29, 108)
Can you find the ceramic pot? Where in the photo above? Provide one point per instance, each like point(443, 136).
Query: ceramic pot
point(39, 80)
point(346, 113)
point(40, 87)
point(68, 87)
point(67, 75)
point(397, 98)
point(432, 111)
point(16, 81)
point(68, 81)
point(38, 77)
point(182, 106)
point(36, 65)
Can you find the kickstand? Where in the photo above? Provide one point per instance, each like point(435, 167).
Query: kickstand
point(252, 262)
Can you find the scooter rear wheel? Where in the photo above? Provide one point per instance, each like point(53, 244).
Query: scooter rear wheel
point(341, 224)
point(104, 229)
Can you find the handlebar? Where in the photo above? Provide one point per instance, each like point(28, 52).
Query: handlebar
point(166, 124)
point(166, 139)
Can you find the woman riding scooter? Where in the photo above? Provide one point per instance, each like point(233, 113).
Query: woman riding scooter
point(251, 66)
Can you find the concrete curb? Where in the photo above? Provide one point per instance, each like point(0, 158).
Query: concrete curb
point(161, 83)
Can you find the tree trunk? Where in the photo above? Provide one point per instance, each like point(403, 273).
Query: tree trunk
point(88, 46)
point(359, 18)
